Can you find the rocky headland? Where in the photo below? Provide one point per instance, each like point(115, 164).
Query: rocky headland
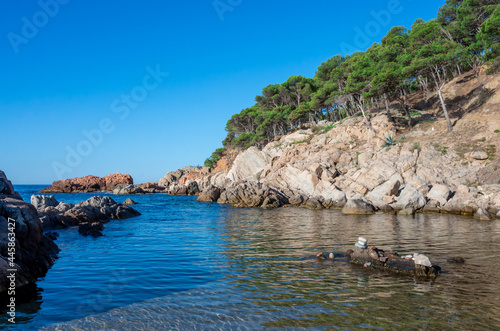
point(361, 170)
point(33, 252)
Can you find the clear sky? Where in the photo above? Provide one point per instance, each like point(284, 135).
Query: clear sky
point(84, 86)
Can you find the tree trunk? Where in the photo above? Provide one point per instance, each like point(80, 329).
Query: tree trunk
point(443, 105)
point(389, 117)
point(445, 111)
point(367, 121)
point(405, 108)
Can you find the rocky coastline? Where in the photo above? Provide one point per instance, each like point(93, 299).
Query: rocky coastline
point(348, 168)
point(360, 169)
point(34, 251)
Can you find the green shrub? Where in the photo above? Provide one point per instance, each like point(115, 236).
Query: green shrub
point(216, 156)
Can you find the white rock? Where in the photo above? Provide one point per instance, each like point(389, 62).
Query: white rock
point(248, 165)
point(439, 193)
point(477, 155)
point(410, 198)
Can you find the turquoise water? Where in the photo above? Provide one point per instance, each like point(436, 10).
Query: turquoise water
point(189, 265)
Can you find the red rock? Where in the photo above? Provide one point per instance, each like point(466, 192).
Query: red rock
point(89, 184)
point(190, 176)
point(222, 164)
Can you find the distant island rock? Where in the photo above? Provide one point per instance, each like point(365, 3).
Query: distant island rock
point(89, 184)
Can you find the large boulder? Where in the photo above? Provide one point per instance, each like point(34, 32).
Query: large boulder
point(477, 155)
point(333, 197)
point(128, 189)
point(410, 197)
point(6, 188)
point(210, 194)
point(252, 194)
point(248, 165)
point(34, 252)
point(89, 184)
point(43, 201)
point(358, 207)
point(192, 189)
point(483, 215)
point(440, 193)
point(463, 202)
point(387, 189)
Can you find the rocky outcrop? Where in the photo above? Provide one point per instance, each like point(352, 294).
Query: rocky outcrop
point(317, 169)
point(210, 194)
point(6, 188)
point(128, 189)
point(34, 252)
point(252, 194)
point(152, 188)
point(43, 201)
point(94, 210)
point(377, 259)
point(129, 202)
point(89, 184)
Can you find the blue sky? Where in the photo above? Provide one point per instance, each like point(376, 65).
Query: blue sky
point(73, 66)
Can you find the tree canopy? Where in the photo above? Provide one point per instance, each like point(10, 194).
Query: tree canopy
point(464, 35)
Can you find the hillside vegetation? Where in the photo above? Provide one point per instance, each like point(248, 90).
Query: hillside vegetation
point(394, 76)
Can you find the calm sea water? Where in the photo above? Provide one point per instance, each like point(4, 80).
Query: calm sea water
point(189, 265)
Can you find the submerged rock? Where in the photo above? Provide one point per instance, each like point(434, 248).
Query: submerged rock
point(129, 202)
point(483, 215)
point(358, 207)
point(91, 229)
point(378, 259)
point(456, 259)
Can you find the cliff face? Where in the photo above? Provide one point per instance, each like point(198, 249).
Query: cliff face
point(422, 169)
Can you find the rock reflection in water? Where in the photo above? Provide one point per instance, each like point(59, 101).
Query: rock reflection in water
point(266, 277)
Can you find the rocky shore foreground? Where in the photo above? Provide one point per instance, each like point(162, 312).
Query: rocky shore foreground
point(26, 253)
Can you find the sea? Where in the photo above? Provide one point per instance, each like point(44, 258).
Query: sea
point(188, 265)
